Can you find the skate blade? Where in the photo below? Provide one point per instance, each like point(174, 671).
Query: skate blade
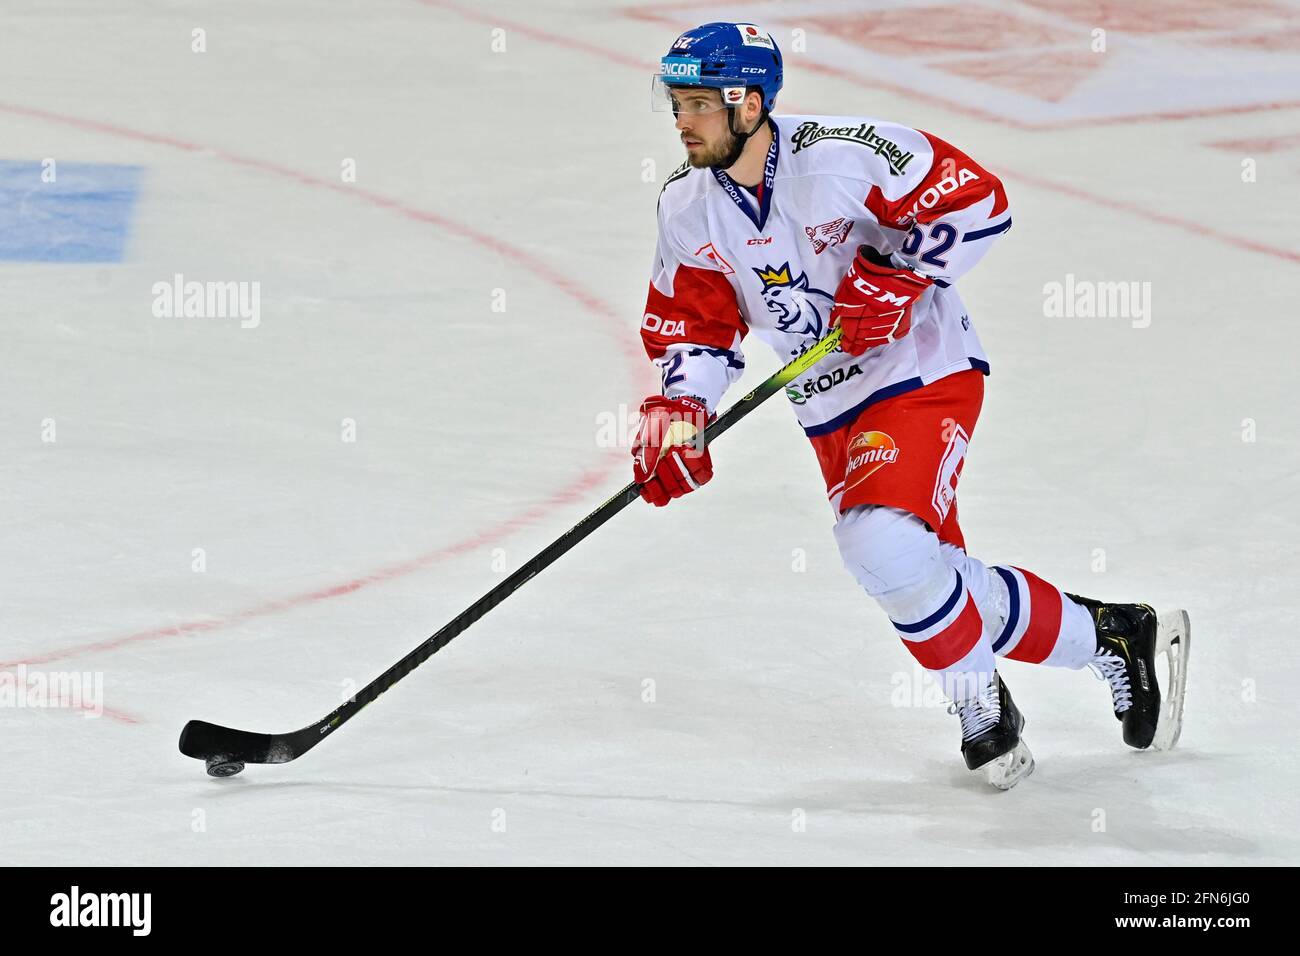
point(1173, 639)
point(1008, 770)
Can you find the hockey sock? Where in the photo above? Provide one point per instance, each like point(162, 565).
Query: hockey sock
point(1026, 618)
point(949, 640)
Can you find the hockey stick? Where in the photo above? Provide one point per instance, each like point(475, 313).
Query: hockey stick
point(226, 750)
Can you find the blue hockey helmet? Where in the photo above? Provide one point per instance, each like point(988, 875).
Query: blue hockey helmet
point(728, 57)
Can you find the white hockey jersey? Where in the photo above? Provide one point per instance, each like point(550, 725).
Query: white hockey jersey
point(729, 262)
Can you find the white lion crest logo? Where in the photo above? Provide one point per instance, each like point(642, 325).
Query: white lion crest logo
point(799, 308)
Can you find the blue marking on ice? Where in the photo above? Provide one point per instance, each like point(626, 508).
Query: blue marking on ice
point(83, 216)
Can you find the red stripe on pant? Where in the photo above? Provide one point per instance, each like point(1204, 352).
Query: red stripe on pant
point(1044, 621)
point(952, 643)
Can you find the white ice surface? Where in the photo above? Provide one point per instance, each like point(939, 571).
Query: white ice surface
point(477, 430)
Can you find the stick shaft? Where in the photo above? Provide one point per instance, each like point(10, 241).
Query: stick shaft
point(570, 539)
point(278, 748)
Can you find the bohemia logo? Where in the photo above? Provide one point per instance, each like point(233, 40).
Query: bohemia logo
point(828, 234)
point(793, 301)
point(873, 451)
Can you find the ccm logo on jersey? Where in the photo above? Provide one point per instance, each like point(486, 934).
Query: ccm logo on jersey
point(669, 328)
point(765, 241)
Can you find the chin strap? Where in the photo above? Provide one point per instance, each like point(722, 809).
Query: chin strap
point(741, 138)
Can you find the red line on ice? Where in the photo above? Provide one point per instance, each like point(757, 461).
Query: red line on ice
point(120, 716)
point(586, 482)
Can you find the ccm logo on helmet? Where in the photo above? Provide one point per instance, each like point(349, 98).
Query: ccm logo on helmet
point(669, 328)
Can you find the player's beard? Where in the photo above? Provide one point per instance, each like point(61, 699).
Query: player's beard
point(715, 154)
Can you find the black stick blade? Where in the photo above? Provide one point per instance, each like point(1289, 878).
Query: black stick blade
point(205, 741)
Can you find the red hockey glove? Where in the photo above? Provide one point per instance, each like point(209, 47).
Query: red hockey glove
point(667, 459)
point(874, 301)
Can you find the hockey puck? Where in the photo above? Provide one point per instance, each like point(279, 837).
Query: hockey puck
point(221, 767)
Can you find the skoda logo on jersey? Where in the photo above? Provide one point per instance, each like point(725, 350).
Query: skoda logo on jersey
point(799, 394)
point(798, 307)
point(680, 67)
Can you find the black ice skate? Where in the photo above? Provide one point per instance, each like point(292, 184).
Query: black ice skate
point(990, 736)
point(1129, 639)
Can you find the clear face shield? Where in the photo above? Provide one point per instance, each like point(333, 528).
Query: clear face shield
point(667, 97)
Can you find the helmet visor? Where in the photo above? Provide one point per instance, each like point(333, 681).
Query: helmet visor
point(676, 98)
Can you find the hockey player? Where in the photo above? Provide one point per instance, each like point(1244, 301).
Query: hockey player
point(787, 226)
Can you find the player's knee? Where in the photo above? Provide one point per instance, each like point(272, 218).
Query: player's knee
point(891, 553)
point(973, 571)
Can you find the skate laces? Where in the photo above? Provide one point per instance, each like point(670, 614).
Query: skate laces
point(980, 713)
point(1111, 667)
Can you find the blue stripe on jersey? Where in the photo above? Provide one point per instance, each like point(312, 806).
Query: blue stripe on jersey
point(990, 231)
point(1013, 610)
point(889, 391)
point(845, 418)
point(937, 616)
point(726, 354)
